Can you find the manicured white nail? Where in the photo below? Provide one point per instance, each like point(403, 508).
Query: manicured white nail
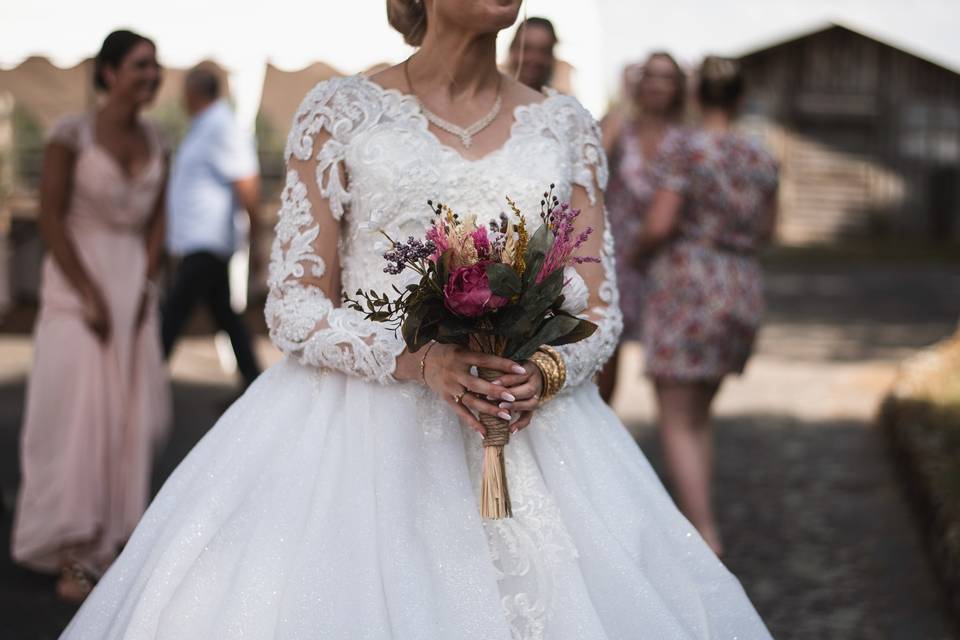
point(504, 405)
point(504, 415)
point(518, 369)
point(509, 397)
point(497, 382)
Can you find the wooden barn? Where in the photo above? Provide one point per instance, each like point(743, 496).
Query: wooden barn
point(868, 135)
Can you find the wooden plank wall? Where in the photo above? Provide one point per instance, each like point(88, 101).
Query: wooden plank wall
point(836, 101)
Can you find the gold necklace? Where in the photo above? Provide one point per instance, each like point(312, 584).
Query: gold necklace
point(464, 133)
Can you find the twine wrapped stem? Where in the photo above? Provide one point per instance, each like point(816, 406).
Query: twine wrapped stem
point(494, 495)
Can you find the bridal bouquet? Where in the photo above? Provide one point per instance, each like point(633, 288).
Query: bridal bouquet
point(494, 289)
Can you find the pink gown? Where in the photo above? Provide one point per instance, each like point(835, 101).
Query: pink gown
point(94, 411)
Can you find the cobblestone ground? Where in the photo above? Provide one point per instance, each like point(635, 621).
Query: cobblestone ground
point(815, 522)
point(816, 526)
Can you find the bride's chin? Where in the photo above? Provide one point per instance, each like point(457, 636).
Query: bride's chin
point(498, 14)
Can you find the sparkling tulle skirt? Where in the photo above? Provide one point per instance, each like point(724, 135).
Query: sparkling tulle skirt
point(323, 506)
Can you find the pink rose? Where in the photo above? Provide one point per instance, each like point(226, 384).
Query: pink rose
point(467, 292)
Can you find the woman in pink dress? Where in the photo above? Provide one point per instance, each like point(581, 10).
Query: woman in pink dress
point(713, 210)
point(98, 397)
point(633, 136)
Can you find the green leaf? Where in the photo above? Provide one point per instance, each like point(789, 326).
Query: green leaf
point(536, 252)
point(540, 297)
point(552, 329)
point(411, 327)
point(450, 327)
point(424, 334)
point(514, 321)
point(503, 280)
point(541, 241)
point(583, 329)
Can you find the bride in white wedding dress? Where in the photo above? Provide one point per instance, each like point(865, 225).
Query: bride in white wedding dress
point(338, 497)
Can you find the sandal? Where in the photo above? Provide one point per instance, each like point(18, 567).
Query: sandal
point(75, 583)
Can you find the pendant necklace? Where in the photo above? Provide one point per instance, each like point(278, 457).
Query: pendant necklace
point(464, 133)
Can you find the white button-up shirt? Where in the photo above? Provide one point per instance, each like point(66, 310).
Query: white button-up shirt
point(201, 202)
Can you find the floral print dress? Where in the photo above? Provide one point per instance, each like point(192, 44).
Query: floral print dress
point(628, 197)
point(704, 295)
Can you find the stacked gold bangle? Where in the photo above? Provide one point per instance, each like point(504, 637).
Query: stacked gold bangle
point(552, 368)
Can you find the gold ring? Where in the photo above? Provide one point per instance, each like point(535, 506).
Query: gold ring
point(459, 397)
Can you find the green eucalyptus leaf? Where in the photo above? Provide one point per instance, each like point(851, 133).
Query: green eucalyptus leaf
point(540, 242)
point(503, 280)
point(582, 330)
point(552, 329)
point(540, 297)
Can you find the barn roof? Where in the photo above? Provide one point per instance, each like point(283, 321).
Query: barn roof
point(831, 26)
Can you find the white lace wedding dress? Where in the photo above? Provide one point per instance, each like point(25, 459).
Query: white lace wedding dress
point(331, 501)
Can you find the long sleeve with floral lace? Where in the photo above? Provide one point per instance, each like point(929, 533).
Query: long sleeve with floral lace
point(303, 312)
point(585, 358)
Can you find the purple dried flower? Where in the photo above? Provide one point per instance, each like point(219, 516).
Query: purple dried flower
point(561, 220)
point(402, 254)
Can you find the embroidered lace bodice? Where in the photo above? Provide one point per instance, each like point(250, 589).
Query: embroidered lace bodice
point(361, 160)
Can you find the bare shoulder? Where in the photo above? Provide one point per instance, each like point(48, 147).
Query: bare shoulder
point(390, 78)
point(516, 93)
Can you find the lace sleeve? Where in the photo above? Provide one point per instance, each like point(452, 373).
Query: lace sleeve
point(589, 165)
point(302, 310)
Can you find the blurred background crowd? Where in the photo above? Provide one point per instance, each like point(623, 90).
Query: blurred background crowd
point(828, 160)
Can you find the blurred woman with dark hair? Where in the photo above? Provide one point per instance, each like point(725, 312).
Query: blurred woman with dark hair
point(713, 210)
point(98, 396)
point(653, 107)
point(531, 59)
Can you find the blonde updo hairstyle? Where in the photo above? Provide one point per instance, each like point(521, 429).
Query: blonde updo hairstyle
point(409, 17)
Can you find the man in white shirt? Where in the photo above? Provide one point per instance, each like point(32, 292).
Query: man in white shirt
point(215, 174)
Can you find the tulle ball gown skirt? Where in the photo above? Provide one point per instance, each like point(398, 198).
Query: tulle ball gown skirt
point(324, 506)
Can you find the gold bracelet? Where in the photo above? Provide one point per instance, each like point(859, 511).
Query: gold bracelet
point(423, 362)
point(550, 372)
point(561, 365)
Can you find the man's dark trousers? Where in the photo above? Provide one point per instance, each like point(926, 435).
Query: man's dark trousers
point(203, 277)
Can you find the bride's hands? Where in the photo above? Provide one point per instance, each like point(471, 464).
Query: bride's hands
point(526, 387)
point(446, 371)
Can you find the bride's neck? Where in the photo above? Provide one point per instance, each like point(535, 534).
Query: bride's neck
point(459, 65)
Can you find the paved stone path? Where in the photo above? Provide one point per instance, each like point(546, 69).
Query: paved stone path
point(816, 526)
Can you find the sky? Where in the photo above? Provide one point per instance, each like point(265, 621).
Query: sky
point(596, 36)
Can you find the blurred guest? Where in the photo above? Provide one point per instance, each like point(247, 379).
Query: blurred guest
point(531, 58)
point(633, 133)
point(713, 210)
point(215, 173)
point(98, 397)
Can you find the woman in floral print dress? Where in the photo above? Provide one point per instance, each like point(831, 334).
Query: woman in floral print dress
point(633, 134)
point(713, 210)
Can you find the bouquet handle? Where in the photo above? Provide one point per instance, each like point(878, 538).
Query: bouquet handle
point(494, 494)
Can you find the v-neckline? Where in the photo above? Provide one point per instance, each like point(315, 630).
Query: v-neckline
point(448, 149)
point(128, 177)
